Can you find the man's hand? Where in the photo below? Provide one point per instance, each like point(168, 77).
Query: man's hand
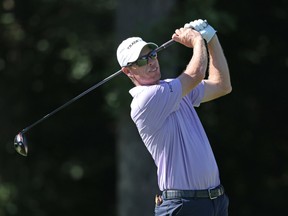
point(203, 27)
point(187, 36)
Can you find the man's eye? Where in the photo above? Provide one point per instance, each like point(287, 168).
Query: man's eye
point(144, 58)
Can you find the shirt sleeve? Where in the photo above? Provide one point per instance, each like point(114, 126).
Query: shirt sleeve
point(155, 103)
point(197, 94)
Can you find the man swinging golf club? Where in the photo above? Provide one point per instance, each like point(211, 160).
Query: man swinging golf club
point(164, 114)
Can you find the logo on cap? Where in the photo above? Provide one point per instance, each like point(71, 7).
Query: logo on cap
point(134, 42)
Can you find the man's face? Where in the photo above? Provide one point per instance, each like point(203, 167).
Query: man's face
point(148, 74)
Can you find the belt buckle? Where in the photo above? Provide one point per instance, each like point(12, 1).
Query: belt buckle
point(210, 194)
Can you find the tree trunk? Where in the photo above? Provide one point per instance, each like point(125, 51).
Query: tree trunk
point(137, 174)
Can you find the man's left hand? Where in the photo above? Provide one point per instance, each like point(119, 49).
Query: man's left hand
point(203, 28)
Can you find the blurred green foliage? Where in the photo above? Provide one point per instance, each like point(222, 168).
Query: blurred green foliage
point(53, 50)
point(50, 52)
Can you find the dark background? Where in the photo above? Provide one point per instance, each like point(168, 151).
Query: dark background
point(50, 51)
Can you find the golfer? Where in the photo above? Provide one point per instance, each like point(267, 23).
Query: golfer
point(164, 114)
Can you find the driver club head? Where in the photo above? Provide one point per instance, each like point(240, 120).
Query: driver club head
point(20, 144)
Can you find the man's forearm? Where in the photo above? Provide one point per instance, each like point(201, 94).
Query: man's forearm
point(195, 70)
point(218, 68)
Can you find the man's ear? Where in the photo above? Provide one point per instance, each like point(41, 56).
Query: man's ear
point(126, 70)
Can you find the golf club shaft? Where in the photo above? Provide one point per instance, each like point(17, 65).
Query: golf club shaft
point(163, 46)
point(71, 101)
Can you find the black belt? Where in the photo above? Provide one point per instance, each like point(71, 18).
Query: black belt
point(211, 193)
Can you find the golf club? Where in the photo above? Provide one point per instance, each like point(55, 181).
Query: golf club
point(20, 142)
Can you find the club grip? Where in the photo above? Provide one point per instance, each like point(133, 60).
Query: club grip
point(165, 45)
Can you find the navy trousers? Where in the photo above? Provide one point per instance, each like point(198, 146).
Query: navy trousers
point(193, 207)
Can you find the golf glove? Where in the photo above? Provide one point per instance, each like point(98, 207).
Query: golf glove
point(203, 28)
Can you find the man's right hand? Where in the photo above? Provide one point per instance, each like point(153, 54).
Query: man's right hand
point(187, 36)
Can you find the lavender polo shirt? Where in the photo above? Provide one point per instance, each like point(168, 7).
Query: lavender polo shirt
point(173, 134)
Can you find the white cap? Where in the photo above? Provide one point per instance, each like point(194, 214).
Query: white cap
point(130, 49)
